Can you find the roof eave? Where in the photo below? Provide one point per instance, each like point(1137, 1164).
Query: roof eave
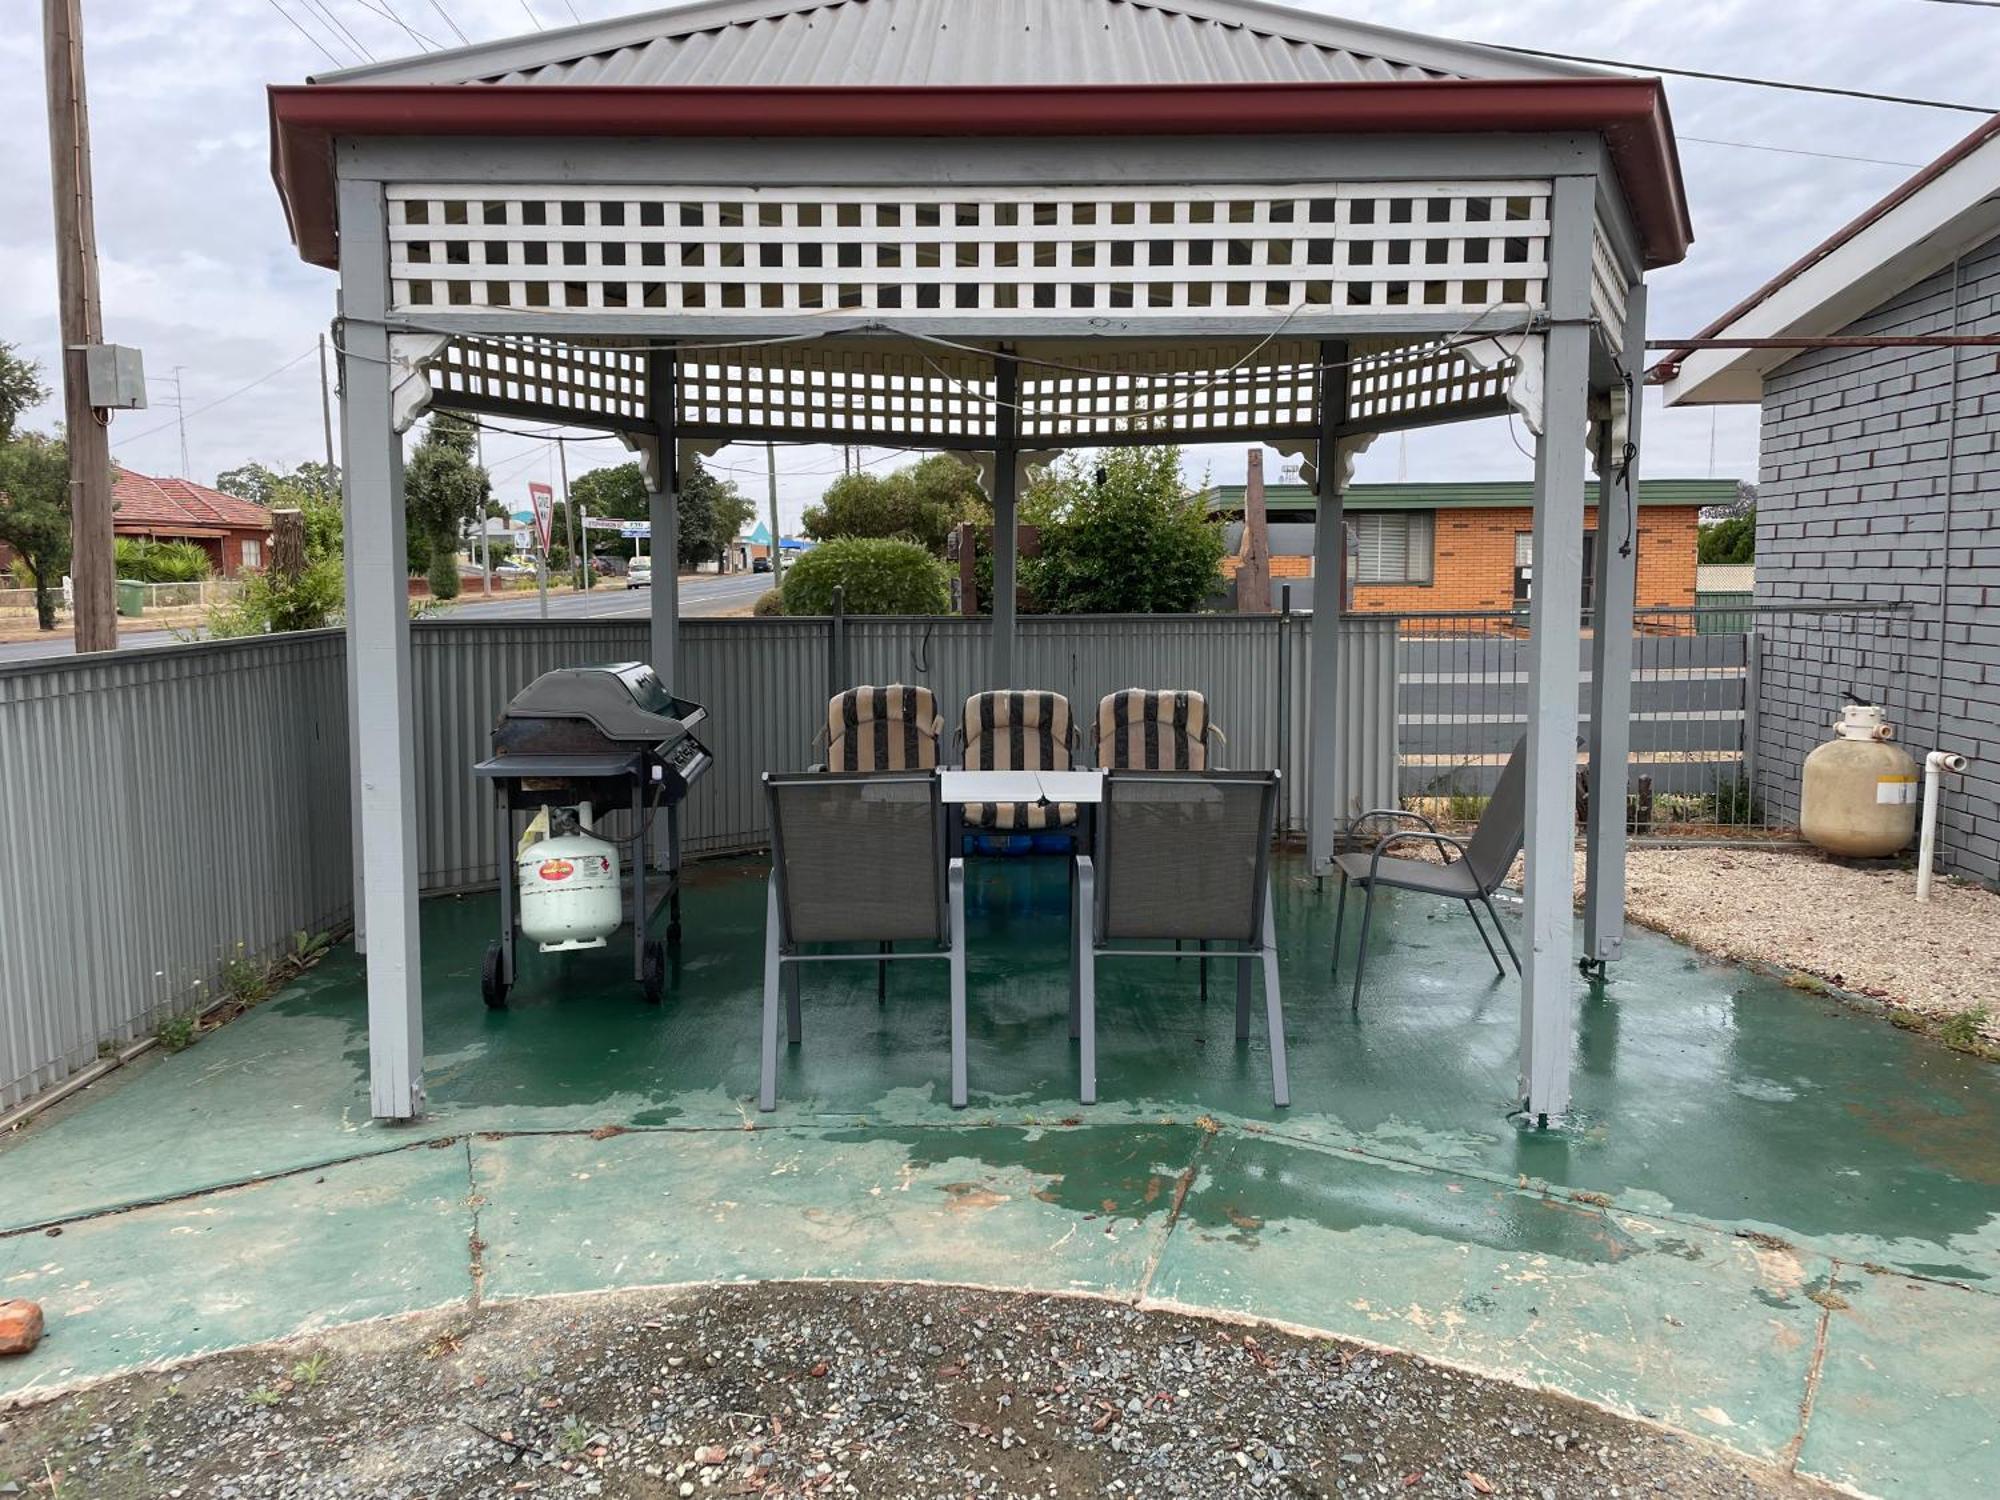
point(1630, 113)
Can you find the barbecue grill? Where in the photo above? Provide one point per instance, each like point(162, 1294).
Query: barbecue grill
point(573, 745)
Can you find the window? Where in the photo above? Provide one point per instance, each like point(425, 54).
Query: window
point(1395, 545)
point(253, 554)
point(1524, 567)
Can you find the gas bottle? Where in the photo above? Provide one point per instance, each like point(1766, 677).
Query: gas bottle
point(569, 891)
point(1859, 796)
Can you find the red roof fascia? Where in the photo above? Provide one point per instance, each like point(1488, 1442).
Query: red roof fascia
point(1630, 113)
point(1666, 367)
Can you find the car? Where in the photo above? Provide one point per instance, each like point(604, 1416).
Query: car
point(760, 565)
point(640, 574)
point(514, 570)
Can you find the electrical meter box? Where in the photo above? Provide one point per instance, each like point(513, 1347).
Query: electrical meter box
point(116, 376)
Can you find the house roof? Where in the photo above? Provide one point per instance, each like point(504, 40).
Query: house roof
point(954, 68)
point(1928, 221)
point(766, 43)
point(1227, 499)
point(179, 507)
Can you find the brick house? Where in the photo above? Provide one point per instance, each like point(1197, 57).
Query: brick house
point(1434, 548)
point(236, 534)
point(1880, 479)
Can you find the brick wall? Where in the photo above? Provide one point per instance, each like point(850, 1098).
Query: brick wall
point(1880, 483)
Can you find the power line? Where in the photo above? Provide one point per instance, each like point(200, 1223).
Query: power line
point(323, 52)
point(1873, 161)
point(456, 29)
point(334, 23)
point(423, 42)
point(531, 14)
point(219, 400)
point(1981, 4)
point(1745, 79)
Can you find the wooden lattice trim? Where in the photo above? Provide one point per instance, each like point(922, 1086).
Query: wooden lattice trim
point(916, 253)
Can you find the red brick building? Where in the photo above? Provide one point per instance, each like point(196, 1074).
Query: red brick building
point(236, 534)
point(1433, 548)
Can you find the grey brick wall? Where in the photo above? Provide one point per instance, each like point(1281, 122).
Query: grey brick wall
point(1880, 484)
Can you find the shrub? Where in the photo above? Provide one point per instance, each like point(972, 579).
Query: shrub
point(146, 561)
point(881, 577)
point(1121, 534)
point(769, 605)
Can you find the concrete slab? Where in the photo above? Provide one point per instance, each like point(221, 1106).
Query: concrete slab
point(1705, 1331)
point(387, 1235)
point(1908, 1390)
point(1065, 1210)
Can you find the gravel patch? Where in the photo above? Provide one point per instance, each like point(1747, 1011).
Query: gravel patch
point(810, 1389)
point(1859, 927)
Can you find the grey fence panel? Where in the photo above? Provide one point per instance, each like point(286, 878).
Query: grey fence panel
point(157, 809)
point(946, 654)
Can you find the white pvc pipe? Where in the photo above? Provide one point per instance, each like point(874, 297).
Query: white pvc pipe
point(1937, 762)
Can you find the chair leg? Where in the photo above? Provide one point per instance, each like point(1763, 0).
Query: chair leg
point(1361, 948)
point(1076, 946)
point(1274, 1011)
point(1086, 976)
point(882, 974)
point(1491, 951)
point(1202, 964)
point(955, 889)
point(1498, 927)
point(1244, 967)
point(767, 1081)
point(794, 1031)
point(1339, 920)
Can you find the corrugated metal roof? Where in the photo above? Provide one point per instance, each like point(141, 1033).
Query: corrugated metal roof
point(962, 42)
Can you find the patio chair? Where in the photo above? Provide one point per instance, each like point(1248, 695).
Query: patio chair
point(1180, 855)
point(858, 858)
point(893, 728)
point(1483, 862)
point(1162, 730)
point(1018, 731)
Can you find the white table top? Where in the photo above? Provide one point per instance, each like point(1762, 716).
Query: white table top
point(1021, 786)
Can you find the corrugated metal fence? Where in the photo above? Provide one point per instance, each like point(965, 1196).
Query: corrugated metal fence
point(159, 807)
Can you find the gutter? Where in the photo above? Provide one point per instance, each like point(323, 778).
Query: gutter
point(1630, 114)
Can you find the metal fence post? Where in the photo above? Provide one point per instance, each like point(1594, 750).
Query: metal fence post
point(836, 662)
point(1753, 690)
point(1283, 745)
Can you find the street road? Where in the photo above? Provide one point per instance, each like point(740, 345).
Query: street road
point(611, 600)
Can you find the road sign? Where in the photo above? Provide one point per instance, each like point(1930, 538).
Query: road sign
point(543, 499)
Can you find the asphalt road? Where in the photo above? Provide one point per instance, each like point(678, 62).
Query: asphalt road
point(610, 601)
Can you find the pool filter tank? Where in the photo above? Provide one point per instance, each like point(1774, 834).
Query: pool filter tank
point(1859, 796)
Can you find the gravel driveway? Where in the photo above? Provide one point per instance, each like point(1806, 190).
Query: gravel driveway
point(807, 1389)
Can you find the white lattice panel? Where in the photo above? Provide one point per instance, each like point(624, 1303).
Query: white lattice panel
point(1607, 288)
point(1395, 385)
point(1184, 392)
point(918, 253)
point(589, 382)
point(827, 388)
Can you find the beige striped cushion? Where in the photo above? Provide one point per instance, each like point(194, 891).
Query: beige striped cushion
point(1018, 731)
point(1152, 730)
point(893, 728)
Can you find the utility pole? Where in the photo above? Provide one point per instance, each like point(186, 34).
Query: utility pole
point(479, 455)
point(569, 511)
point(91, 568)
point(326, 418)
point(777, 537)
point(180, 418)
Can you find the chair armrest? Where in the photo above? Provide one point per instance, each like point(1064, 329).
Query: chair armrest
point(1388, 812)
point(1410, 835)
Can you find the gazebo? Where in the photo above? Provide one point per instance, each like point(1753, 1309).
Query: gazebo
point(1000, 228)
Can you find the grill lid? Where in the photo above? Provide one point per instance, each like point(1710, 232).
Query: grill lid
point(624, 701)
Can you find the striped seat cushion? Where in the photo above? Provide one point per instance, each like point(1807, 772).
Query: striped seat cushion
point(1142, 730)
point(1018, 731)
point(893, 728)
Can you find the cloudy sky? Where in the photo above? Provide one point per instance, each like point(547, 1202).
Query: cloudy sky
point(198, 272)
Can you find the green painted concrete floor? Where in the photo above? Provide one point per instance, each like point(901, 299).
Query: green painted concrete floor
point(1769, 1220)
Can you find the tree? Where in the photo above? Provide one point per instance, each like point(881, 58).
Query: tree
point(20, 388)
point(34, 513)
point(711, 510)
point(260, 485)
point(1120, 534)
point(1731, 541)
point(314, 599)
point(878, 576)
point(919, 503)
point(443, 490)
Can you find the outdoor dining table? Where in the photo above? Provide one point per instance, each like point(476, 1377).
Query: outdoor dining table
point(1083, 788)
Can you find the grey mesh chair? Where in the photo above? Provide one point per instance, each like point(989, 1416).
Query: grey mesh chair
point(858, 858)
point(1181, 855)
point(1483, 862)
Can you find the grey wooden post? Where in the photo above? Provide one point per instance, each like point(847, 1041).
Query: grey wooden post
point(1006, 518)
point(1615, 582)
point(378, 643)
point(1325, 815)
point(1556, 644)
point(359, 873)
point(663, 508)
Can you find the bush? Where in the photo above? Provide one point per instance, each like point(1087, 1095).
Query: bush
point(266, 605)
point(769, 605)
point(146, 561)
point(1121, 534)
point(881, 577)
point(443, 573)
